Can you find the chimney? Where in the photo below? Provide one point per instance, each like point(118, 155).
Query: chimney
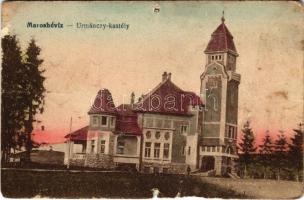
point(132, 98)
point(169, 76)
point(165, 75)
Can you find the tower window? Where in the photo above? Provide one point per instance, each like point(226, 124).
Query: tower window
point(216, 57)
point(95, 121)
point(220, 57)
point(104, 120)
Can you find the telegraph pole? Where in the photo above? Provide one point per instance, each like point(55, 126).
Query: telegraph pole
point(69, 148)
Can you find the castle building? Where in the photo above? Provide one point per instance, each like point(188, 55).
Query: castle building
point(168, 130)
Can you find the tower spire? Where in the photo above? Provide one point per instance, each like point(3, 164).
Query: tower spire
point(223, 17)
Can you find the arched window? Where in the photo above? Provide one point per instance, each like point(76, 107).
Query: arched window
point(148, 134)
point(167, 135)
point(157, 135)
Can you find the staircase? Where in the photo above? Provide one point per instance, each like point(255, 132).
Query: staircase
point(233, 175)
point(204, 174)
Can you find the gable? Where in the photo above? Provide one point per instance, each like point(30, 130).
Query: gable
point(167, 98)
point(215, 68)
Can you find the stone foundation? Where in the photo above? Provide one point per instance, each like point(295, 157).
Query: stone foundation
point(171, 168)
point(99, 161)
point(77, 162)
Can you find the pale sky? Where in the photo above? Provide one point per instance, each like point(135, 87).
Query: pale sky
point(78, 62)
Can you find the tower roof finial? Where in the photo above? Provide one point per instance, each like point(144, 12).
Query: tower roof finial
point(223, 17)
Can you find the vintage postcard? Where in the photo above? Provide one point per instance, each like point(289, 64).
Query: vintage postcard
point(147, 99)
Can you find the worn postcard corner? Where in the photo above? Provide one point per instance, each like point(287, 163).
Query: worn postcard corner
point(103, 99)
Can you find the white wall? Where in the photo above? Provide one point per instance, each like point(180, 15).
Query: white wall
point(192, 158)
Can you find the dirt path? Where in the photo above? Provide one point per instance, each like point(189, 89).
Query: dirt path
point(258, 188)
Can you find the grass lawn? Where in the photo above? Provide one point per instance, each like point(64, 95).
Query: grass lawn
point(63, 184)
point(260, 188)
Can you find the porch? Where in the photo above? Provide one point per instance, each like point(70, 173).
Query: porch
point(126, 151)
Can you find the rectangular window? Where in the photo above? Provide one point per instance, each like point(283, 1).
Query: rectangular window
point(166, 150)
point(208, 148)
point(184, 129)
point(112, 123)
point(84, 148)
point(156, 150)
point(230, 132)
point(104, 120)
point(95, 121)
point(167, 123)
point(159, 123)
point(102, 146)
point(149, 122)
point(183, 150)
point(92, 146)
point(235, 133)
point(213, 148)
point(218, 149)
point(189, 150)
point(120, 147)
point(147, 149)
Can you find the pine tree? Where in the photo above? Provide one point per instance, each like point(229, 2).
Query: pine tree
point(266, 150)
point(247, 147)
point(34, 90)
point(280, 156)
point(12, 93)
point(296, 151)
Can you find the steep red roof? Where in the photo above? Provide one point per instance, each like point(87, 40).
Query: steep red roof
point(125, 110)
point(128, 127)
point(195, 99)
point(80, 134)
point(127, 120)
point(167, 98)
point(103, 103)
point(221, 40)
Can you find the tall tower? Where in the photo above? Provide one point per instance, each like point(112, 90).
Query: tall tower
point(219, 87)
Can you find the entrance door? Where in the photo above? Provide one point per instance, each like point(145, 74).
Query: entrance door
point(207, 163)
